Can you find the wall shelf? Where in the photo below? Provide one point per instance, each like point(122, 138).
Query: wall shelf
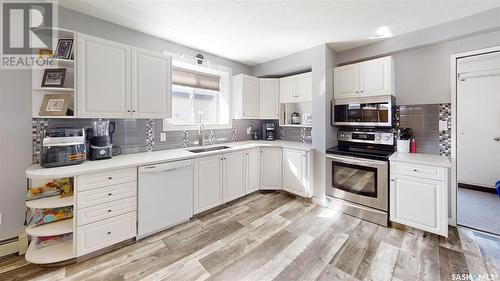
point(54, 89)
point(50, 254)
point(50, 202)
point(54, 228)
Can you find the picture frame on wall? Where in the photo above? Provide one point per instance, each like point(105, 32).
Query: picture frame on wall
point(55, 105)
point(64, 48)
point(54, 77)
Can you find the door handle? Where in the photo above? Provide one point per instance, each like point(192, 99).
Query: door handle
point(496, 139)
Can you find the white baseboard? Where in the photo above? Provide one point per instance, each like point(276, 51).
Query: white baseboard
point(14, 246)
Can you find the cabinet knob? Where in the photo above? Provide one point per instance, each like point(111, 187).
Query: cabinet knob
point(109, 194)
point(357, 92)
point(110, 178)
point(128, 110)
point(133, 110)
point(109, 232)
point(109, 211)
point(415, 170)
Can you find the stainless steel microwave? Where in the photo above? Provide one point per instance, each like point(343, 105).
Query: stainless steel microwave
point(364, 111)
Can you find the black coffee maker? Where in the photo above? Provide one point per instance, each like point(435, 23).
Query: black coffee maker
point(268, 131)
point(100, 136)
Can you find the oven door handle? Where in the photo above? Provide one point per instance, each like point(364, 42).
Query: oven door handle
point(356, 161)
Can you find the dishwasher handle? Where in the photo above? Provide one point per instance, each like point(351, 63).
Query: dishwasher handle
point(163, 167)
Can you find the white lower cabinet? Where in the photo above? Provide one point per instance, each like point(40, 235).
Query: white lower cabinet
point(417, 199)
point(234, 175)
point(207, 182)
point(271, 168)
point(252, 170)
point(296, 172)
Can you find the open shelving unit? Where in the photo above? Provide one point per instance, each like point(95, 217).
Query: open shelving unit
point(286, 110)
point(39, 92)
point(60, 251)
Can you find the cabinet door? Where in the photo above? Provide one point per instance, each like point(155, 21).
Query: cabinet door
point(419, 203)
point(295, 172)
point(151, 84)
point(346, 81)
point(271, 170)
point(207, 183)
point(376, 77)
point(104, 72)
point(304, 87)
point(252, 170)
point(250, 98)
point(234, 175)
point(288, 89)
point(269, 98)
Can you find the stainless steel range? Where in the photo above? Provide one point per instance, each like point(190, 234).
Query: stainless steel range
point(358, 169)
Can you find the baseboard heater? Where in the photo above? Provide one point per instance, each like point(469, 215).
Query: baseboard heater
point(9, 247)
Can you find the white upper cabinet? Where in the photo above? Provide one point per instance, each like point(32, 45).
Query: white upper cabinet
point(288, 89)
point(368, 78)
point(296, 88)
point(269, 98)
point(252, 170)
point(115, 80)
point(234, 175)
point(346, 81)
point(376, 77)
point(304, 87)
point(151, 84)
point(103, 78)
point(296, 172)
point(246, 96)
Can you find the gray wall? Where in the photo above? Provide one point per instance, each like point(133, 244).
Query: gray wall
point(422, 60)
point(321, 60)
point(15, 108)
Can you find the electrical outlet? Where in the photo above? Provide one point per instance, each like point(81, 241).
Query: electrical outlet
point(163, 136)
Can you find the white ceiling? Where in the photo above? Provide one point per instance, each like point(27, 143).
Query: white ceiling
point(253, 32)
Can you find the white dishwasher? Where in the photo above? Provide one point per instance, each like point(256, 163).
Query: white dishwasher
point(165, 196)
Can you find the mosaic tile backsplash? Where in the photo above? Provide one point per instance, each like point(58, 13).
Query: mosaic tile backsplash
point(141, 135)
point(424, 121)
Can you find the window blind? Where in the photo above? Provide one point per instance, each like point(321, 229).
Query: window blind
point(183, 77)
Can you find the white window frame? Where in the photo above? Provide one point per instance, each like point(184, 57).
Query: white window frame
point(225, 98)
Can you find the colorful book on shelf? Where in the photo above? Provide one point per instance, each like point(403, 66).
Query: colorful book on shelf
point(49, 215)
point(63, 187)
point(46, 241)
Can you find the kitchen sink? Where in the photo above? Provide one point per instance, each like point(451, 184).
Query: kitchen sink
point(200, 150)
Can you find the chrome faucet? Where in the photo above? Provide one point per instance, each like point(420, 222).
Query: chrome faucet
point(201, 135)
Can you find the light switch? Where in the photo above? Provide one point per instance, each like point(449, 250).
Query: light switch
point(163, 136)
point(443, 125)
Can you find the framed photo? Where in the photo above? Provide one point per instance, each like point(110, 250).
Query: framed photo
point(55, 105)
point(64, 47)
point(54, 77)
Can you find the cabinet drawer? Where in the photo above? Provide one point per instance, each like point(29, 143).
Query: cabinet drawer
point(106, 194)
point(92, 181)
point(105, 233)
point(420, 171)
point(105, 211)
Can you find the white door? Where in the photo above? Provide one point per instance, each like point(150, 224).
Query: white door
point(207, 182)
point(295, 177)
point(478, 120)
point(346, 81)
point(419, 203)
point(104, 73)
point(288, 89)
point(252, 170)
point(271, 168)
point(304, 87)
point(250, 97)
point(151, 84)
point(234, 175)
point(269, 98)
point(376, 77)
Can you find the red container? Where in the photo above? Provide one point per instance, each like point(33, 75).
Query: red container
point(413, 146)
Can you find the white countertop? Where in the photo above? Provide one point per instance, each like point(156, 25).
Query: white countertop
point(421, 158)
point(146, 158)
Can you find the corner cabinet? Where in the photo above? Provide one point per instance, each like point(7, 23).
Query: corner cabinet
point(364, 79)
point(419, 196)
point(296, 88)
point(246, 97)
point(271, 168)
point(269, 89)
point(115, 80)
point(297, 172)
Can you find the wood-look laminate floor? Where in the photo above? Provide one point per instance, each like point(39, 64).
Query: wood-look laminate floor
point(272, 236)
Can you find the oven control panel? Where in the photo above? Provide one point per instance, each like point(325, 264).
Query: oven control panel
point(366, 137)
